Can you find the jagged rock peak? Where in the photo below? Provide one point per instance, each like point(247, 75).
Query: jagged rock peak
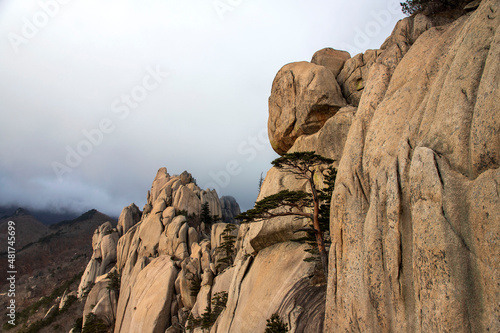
point(230, 208)
point(129, 216)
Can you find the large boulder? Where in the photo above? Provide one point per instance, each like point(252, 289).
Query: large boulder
point(354, 74)
point(303, 97)
point(330, 58)
point(174, 242)
point(185, 199)
point(148, 304)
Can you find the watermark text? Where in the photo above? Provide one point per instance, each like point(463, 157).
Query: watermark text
point(11, 272)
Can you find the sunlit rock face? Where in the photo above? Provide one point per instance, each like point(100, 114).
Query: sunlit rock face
point(415, 211)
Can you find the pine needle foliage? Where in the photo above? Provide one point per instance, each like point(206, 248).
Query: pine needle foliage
point(276, 325)
point(212, 312)
point(303, 165)
point(290, 200)
point(227, 246)
point(429, 7)
point(205, 214)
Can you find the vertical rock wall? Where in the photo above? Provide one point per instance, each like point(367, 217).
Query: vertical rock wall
point(415, 217)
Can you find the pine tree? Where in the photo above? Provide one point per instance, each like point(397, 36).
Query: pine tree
point(276, 325)
point(205, 214)
point(325, 196)
point(303, 165)
point(227, 245)
point(261, 181)
point(429, 7)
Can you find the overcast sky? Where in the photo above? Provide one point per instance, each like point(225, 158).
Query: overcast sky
point(96, 96)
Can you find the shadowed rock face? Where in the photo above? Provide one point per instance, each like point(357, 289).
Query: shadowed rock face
point(230, 208)
point(415, 211)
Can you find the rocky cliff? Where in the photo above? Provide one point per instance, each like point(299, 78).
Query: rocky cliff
point(416, 209)
point(414, 129)
point(156, 270)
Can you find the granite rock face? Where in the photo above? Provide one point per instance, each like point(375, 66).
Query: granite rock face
point(163, 257)
point(104, 242)
point(415, 211)
point(303, 97)
point(332, 59)
point(129, 217)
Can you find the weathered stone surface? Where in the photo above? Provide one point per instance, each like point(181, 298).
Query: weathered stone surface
point(129, 216)
point(129, 276)
point(161, 179)
point(259, 235)
point(354, 75)
point(64, 299)
point(174, 241)
point(126, 246)
point(222, 282)
point(148, 305)
point(204, 295)
point(303, 97)
point(148, 234)
point(101, 301)
point(104, 242)
point(216, 237)
point(262, 286)
point(185, 281)
point(185, 199)
point(414, 223)
point(330, 58)
point(214, 204)
point(330, 139)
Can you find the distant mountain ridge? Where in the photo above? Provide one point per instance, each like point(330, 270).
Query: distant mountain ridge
point(47, 256)
point(45, 216)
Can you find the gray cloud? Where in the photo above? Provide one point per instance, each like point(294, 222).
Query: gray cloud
point(205, 115)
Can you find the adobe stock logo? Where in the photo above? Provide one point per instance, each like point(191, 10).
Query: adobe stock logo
point(122, 107)
point(31, 27)
point(225, 6)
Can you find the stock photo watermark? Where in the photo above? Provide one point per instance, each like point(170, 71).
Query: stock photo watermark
point(248, 149)
point(380, 19)
point(31, 26)
point(223, 7)
point(121, 107)
point(11, 272)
